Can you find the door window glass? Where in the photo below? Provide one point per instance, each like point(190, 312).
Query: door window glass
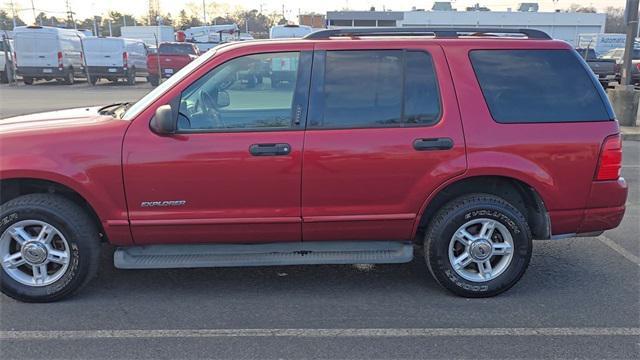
point(250, 92)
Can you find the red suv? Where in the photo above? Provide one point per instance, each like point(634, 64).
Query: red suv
point(373, 142)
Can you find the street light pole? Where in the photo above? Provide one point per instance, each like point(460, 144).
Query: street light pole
point(631, 22)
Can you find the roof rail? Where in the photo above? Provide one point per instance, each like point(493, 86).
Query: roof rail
point(419, 31)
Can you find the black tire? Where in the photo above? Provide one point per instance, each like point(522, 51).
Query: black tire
point(93, 80)
point(131, 77)
point(154, 80)
point(4, 77)
point(461, 211)
point(27, 80)
point(69, 79)
point(78, 229)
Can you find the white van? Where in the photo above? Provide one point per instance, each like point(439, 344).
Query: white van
point(114, 58)
point(289, 31)
point(48, 53)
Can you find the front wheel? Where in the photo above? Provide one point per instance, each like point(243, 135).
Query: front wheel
point(478, 245)
point(49, 248)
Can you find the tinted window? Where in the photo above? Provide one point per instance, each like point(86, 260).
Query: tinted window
point(341, 22)
point(364, 23)
point(537, 86)
point(588, 54)
point(362, 88)
point(365, 89)
point(249, 92)
point(421, 98)
point(386, 23)
point(182, 49)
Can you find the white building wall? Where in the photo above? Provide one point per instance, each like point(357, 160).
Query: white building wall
point(563, 26)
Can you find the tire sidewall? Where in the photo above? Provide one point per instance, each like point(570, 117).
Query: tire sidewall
point(78, 262)
point(438, 254)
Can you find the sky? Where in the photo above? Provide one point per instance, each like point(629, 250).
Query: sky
point(87, 8)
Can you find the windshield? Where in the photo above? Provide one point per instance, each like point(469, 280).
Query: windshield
point(148, 99)
point(176, 49)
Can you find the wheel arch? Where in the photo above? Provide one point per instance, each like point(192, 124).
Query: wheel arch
point(15, 187)
point(517, 192)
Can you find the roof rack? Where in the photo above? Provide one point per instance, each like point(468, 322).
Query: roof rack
point(419, 31)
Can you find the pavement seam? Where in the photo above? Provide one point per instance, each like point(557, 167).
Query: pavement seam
point(619, 249)
point(316, 333)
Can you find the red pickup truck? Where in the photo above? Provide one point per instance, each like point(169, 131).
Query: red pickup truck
point(170, 57)
point(366, 153)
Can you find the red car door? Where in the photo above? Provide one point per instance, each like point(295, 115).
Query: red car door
point(383, 132)
point(232, 172)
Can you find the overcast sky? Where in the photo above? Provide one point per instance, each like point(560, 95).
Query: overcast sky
point(86, 8)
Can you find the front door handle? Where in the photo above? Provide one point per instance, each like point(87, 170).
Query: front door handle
point(270, 149)
point(433, 144)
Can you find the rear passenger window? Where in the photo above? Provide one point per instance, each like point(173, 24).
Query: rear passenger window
point(386, 88)
point(537, 86)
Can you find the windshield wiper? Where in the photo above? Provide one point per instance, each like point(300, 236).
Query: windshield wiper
point(113, 108)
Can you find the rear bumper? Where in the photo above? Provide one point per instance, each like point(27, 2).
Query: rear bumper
point(604, 210)
point(605, 207)
point(41, 72)
point(107, 71)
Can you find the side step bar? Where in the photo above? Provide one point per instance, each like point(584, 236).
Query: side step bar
point(231, 255)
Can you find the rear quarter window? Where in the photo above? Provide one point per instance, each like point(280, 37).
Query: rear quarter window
point(538, 86)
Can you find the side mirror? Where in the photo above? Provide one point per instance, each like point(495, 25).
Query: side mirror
point(164, 123)
point(223, 99)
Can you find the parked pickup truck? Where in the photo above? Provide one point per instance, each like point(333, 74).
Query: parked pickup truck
point(605, 69)
point(207, 169)
point(170, 57)
point(617, 55)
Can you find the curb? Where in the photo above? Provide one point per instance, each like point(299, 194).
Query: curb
point(630, 133)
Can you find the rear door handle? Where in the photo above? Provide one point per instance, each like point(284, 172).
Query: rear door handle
point(270, 149)
point(433, 144)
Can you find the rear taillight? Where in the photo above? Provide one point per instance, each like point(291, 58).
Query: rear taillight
point(60, 64)
point(125, 60)
point(610, 161)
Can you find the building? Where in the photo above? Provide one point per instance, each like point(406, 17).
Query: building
point(313, 20)
point(559, 25)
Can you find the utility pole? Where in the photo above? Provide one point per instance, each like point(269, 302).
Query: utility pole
point(631, 21)
point(70, 14)
point(13, 14)
point(204, 12)
point(33, 8)
point(624, 98)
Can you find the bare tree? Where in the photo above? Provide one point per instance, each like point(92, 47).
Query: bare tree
point(581, 9)
point(615, 20)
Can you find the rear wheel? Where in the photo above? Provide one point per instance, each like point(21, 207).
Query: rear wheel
point(93, 80)
point(478, 245)
point(131, 77)
point(49, 248)
point(70, 79)
point(4, 76)
point(27, 80)
point(154, 80)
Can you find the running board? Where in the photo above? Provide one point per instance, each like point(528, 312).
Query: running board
point(231, 255)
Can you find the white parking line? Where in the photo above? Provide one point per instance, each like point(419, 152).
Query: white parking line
point(619, 249)
point(315, 333)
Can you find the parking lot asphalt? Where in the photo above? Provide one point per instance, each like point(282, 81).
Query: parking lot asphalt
point(20, 99)
point(580, 298)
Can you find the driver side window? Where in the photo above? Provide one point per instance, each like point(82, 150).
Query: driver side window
point(253, 92)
